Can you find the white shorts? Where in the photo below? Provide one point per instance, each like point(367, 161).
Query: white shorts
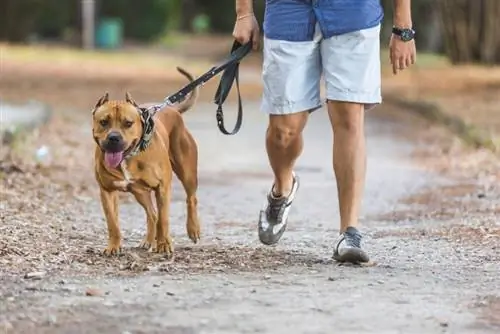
point(349, 63)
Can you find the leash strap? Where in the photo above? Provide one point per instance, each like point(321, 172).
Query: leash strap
point(231, 73)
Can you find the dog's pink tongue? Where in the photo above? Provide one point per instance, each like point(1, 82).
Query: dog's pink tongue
point(113, 159)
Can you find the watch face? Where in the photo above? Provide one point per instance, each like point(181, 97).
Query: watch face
point(406, 35)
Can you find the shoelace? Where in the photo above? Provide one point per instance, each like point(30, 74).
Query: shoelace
point(352, 239)
point(274, 209)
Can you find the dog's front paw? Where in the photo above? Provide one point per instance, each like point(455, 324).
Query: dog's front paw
point(112, 249)
point(164, 246)
point(146, 243)
point(193, 231)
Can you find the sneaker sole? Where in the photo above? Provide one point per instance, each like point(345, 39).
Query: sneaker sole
point(268, 238)
point(352, 255)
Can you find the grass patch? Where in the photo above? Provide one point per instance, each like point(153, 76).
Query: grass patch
point(143, 58)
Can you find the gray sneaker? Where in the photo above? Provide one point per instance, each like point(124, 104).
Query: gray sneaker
point(273, 218)
point(347, 248)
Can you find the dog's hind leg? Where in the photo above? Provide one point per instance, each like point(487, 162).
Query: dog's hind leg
point(109, 201)
point(184, 154)
point(145, 200)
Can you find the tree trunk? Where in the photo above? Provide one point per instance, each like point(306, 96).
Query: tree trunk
point(472, 30)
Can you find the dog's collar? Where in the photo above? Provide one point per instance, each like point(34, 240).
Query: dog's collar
point(148, 126)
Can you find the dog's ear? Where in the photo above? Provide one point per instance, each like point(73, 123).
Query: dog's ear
point(102, 100)
point(130, 100)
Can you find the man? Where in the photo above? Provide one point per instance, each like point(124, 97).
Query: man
point(339, 39)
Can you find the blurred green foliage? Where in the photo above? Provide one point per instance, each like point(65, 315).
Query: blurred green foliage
point(144, 20)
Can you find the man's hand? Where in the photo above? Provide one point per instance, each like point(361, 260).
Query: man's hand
point(246, 29)
point(402, 54)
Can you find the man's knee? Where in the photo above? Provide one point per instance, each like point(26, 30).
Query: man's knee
point(346, 116)
point(284, 130)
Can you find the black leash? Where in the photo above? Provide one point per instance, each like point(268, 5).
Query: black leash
point(231, 73)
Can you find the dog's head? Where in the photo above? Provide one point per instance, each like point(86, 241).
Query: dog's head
point(117, 128)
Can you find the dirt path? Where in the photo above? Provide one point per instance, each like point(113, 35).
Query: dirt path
point(435, 270)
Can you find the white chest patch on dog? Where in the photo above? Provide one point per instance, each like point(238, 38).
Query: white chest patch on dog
point(126, 175)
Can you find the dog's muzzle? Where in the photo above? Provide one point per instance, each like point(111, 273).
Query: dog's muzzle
point(113, 143)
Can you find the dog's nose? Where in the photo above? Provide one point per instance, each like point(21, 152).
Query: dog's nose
point(114, 137)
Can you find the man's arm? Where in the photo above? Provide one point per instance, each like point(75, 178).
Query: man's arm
point(244, 7)
point(402, 50)
point(246, 27)
point(402, 13)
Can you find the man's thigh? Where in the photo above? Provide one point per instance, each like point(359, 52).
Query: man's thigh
point(291, 75)
point(351, 67)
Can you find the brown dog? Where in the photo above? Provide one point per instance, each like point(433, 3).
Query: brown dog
point(137, 154)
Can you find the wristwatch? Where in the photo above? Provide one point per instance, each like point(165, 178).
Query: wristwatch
point(405, 34)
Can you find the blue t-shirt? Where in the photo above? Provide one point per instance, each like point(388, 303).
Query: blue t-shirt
point(295, 20)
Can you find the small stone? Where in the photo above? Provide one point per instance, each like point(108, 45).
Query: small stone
point(156, 285)
point(332, 279)
point(35, 275)
point(380, 282)
point(253, 291)
point(168, 293)
point(266, 277)
point(93, 292)
point(124, 266)
point(51, 319)
point(482, 303)
point(443, 324)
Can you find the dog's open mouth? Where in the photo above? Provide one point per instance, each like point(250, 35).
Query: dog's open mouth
point(113, 159)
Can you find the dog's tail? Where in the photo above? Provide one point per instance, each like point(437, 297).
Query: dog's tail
point(191, 100)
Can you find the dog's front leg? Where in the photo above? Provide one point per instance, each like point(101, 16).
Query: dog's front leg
point(145, 200)
point(109, 201)
point(163, 239)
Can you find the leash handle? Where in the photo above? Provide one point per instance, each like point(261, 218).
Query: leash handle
point(231, 74)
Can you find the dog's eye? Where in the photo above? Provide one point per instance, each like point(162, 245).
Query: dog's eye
point(128, 124)
point(103, 122)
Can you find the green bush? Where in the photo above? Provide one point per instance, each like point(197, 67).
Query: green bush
point(143, 20)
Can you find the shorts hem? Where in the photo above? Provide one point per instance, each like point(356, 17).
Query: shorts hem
point(366, 99)
point(370, 101)
point(290, 107)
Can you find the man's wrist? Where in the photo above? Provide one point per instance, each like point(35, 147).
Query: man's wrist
point(244, 16)
point(402, 24)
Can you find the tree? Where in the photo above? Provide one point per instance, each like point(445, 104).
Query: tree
point(471, 30)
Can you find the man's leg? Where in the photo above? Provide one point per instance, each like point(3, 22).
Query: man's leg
point(349, 164)
point(291, 74)
point(351, 64)
point(349, 158)
point(284, 144)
